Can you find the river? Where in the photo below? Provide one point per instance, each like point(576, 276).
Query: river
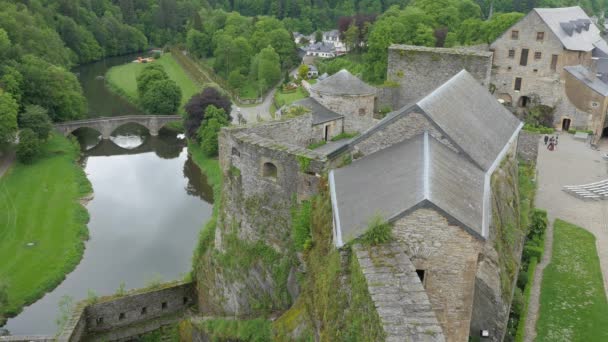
point(150, 202)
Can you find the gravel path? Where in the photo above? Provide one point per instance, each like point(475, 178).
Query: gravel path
point(573, 163)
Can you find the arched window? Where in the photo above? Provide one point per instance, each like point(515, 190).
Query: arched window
point(269, 170)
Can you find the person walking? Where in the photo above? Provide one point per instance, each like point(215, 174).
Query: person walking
point(546, 139)
point(555, 143)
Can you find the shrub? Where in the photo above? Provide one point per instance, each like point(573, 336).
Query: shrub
point(538, 224)
point(162, 97)
point(532, 252)
point(215, 119)
point(540, 115)
point(29, 146)
point(301, 221)
point(36, 118)
point(378, 232)
point(197, 105)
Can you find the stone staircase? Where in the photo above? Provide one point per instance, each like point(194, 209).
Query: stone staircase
point(589, 192)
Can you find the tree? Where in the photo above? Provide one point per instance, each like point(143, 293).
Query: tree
point(28, 147)
point(8, 118)
point(36, 118)
point(351, 37)
point(303, 71)
point(318, 36)
point(151, 73)
point(198, 43)
point(215, 119)
point(266, 69)
point(196, 106)
point(162, 97)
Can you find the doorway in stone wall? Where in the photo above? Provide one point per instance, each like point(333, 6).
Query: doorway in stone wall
point(523, 101)
point(326, 133)
point(566, 124)
point(605, 132)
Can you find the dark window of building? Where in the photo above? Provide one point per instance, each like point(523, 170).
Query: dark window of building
point(553, 62)
point(185, 300)
point(236, 152)
point(420, 274)
point(163, 305)
point(580, 54)
point(535, 70)
point(508, 68)
point(514, 34)
point(269, 170)
point(523, 60)
point(540, 36)
point(361, 111)
point(511, 53)
point(517, 83)
point(537, 55)
point(99, 320)
point(144, 310)
point(121, 316)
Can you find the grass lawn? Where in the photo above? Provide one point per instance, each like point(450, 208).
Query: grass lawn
point(39, 204)
point(289, 98)
point(573, 304)
point(123, 78)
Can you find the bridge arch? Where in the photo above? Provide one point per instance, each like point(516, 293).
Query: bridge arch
point(107, 125)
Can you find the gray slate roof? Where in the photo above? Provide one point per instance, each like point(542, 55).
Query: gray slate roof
point(321, 47)
point(570, 24)
point(320, 114)
point(469, 116)
point(343, 83)
point(393, 181)
point(582, 74)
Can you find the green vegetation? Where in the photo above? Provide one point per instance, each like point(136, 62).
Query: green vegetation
point(283, 98)
point(538, 129)
point(344, 135)
point(254, 330)
point(215, 119)
point(573, 303)
point(40, 206)
point(300, 226)
point(317, 144)
point(353, 62)
point(523, 313)
point(378, 232)
point(123, 78)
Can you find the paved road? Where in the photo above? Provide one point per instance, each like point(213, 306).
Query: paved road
point(573, 163)
point(251, 114)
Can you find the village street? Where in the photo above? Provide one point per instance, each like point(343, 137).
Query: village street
point(573, 163)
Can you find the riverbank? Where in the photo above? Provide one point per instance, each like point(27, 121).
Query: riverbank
point(121, 79)
point(43, 223)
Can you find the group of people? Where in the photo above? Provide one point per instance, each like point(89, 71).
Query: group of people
point(551, 142)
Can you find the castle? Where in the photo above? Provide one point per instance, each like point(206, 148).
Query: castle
point(431, 169)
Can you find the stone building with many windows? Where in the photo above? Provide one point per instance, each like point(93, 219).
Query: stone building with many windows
point(555, 57)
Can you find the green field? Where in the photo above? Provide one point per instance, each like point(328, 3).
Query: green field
point(122, 78)
point(39, 204)
point(573, 304)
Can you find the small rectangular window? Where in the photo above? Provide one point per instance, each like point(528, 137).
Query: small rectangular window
point(420, 274)
point(511, 53)
point(540, 36)
point(523, 60)
point(537, 55)
point(517, 83)
point(514, 34)
point(144, 310)
point(121, 316)
point(553, 62)
point(163, 305)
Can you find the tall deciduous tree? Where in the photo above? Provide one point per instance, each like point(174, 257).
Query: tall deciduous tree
point(151, 73)
point(196, 106)
point(8, 118)
point(36, 118)
point(215, 119)
point(162, 97)
point(266, 68)
point(28, 147)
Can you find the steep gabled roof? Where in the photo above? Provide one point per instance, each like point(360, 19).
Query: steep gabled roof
point(343, 83)
point(583, 75)
point(417, 172)
point(572, 26)
point(320, 114)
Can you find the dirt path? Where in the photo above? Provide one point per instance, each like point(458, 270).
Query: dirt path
point(6, 161)
point(573, 163)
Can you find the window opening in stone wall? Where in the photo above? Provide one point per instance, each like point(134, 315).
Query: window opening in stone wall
point(511, 53)
point(523, 60)
point(361, 111)
point(144, 310)
point(163, 305)
point(185, 300)
point(269, 170)
point(517, 84)
point(540, 36)
point(326, 134)
point(537, 55)
point(524, 101)
point(420, 274)
point(514, 34)
point(236, 152)
point(99, 320)
point(121, 316)
point(553, 62)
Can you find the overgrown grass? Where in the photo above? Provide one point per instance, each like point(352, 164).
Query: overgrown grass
point(39, 204)
point(344, 135)
point(211, 168)
point(255, 330)
point(122, 78)
point(573, 304)
point(282, 99)
point(317, 144)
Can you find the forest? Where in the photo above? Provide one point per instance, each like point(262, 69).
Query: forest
point(246, 41)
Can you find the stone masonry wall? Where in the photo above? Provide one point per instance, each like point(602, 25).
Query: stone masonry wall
point(403, 128)
point(527, 146)
point(590, 111)
point(420, 70)
point(358, 110)
point(448, 255)
point(398, 295)
point(294, 131)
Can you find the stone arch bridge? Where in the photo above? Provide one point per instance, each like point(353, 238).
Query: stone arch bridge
point(107, 125)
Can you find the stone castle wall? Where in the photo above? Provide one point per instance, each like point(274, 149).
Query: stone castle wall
point(420, 70)
point(406, 127)
point(358, 110)
point(590, 106)
point(448, 255)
